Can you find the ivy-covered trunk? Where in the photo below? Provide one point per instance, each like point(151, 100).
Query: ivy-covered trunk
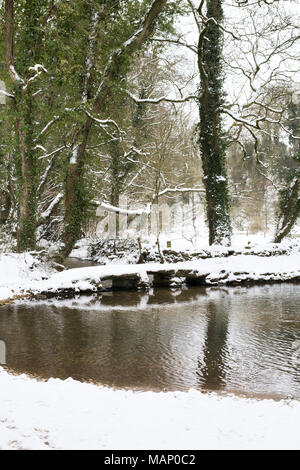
point(211, 136)
point(6, 204)
point(116, 154)
point(6, 189)
point(29, 40)
point(75, 193)
point(115, 183)
point(289, 209)
point(26, 175)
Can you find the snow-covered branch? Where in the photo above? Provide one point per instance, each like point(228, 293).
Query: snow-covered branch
point(119, 210)
point(103, 122)
point(54, 152)
point(47, 127)
point(38, 69)
point(147, 210)
point(47, 213)
point(179, 42)
point(179, 190)
point(8, 95)
point(161, 99)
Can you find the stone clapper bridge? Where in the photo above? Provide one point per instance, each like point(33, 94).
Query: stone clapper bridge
point(142, 277)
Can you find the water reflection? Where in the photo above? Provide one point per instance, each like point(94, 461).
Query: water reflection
point(236, 339)
point(211, 369)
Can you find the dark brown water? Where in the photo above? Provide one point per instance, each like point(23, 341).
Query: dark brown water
point(242, 340)
point(71, 263)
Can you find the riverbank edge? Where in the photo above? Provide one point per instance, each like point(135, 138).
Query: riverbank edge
point(238, 270)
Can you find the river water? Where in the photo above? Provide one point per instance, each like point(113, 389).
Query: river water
point(240, 340)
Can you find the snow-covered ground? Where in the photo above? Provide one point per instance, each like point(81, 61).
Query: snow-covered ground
point(20, 274)
point(72, 415)
point(19, 271)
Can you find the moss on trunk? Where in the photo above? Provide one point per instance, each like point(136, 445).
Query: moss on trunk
point(212, 138)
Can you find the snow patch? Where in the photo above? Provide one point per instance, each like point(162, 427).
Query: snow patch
point(71, 415)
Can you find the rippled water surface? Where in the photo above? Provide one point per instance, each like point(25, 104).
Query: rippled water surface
point(242, 340)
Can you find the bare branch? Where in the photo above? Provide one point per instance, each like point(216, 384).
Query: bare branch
point(161, 99)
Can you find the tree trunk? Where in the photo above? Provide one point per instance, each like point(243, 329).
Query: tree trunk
point(24, 111)
point(6, 204)
point(289, 205)
point(75, 194)
point(115, 182)
point(212, 139)
point(27, 177)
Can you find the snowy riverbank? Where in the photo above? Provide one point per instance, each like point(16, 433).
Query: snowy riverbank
point(21, 275)
point(18, 272)
point(72, 415)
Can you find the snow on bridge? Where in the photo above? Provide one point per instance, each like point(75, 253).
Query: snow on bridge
point(232, 270)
